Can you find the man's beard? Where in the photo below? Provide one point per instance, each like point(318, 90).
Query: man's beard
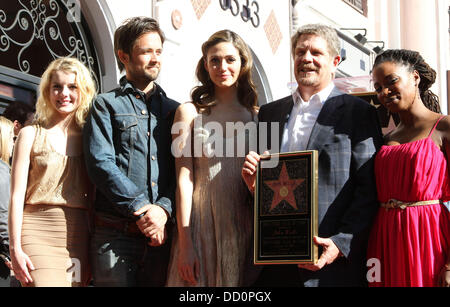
point(151, 76)
point(307, 80)
point(145, 75)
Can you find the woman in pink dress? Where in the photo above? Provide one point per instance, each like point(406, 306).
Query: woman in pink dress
point(410, 239)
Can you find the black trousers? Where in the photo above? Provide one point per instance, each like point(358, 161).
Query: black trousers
point(279, 276)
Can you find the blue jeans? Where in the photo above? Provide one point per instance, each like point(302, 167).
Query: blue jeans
point(120, 260)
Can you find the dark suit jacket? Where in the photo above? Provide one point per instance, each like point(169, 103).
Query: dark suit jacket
point(346, 134)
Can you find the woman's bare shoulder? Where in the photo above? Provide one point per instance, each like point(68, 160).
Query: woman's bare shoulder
point(27, 133)
point(186, 112)
point(24, 142)
point(187, 108)
point(444, 123)
point(444, 127)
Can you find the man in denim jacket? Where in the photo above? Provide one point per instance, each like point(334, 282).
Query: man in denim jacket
point(127, 144)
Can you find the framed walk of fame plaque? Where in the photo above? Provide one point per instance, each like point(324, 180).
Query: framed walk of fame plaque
point(286, 209)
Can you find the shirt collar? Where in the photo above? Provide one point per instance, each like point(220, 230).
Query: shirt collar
point(321, 96)
point(126, 85)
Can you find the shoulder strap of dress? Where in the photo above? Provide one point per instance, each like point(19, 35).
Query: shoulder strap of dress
point(35, 141)
point(435, 125)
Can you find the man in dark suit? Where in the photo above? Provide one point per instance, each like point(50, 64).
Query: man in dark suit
point(346, 133)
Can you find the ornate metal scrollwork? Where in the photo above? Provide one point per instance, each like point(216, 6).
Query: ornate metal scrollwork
point(34, 32)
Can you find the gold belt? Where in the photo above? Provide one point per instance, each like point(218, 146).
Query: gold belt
point(396, 204)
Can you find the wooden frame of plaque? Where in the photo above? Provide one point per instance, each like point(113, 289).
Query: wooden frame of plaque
point(286, 216)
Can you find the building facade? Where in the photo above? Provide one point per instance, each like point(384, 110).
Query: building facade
point(33, 32)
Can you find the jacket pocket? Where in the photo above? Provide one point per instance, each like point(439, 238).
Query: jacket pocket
point(127, 122)
point(127, 126)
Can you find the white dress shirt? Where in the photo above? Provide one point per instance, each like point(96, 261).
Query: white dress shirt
point(302, 118)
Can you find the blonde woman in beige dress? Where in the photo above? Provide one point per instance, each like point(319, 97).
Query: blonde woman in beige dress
point(213, 243)
point(50, 190)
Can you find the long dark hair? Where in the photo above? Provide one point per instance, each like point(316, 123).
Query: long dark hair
point(414, 61)
point(203, 96)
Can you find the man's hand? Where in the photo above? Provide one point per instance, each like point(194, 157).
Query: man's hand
point(159, 238)
point(329, 254)
point(152, 224)
point(248, 171)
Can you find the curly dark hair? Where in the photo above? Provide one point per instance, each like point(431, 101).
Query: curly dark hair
point(18, 111)
point(203, 96)
point(414, 61)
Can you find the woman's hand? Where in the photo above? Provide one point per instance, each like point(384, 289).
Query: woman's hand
point(188, 265)
point(444, 277)
point(22, 266)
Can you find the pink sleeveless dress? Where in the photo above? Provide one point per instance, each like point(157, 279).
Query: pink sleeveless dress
point(410, 244)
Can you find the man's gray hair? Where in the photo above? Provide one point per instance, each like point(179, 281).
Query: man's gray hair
point(328, 33)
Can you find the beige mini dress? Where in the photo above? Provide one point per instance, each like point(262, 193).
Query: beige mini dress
point(55, 229)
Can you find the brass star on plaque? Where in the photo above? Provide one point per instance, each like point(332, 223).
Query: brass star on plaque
point(283, 188)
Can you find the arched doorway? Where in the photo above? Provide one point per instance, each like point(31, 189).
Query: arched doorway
point(32, 34)
point(260, 80)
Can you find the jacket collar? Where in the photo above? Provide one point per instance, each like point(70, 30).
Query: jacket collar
point(127, 86)
point(166, 105)
point(285, 112)
point(287, 105)
point(330, 113)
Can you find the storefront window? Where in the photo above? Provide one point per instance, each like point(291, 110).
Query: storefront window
point(359, 5)
point(33, 33)
point(12, 93)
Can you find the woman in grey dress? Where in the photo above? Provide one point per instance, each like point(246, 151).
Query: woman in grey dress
point(213, 243)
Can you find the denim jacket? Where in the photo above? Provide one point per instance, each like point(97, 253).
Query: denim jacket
point(127, 147)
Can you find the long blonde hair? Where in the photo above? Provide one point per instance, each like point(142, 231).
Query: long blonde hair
point(85, 84)
point(6, 137)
